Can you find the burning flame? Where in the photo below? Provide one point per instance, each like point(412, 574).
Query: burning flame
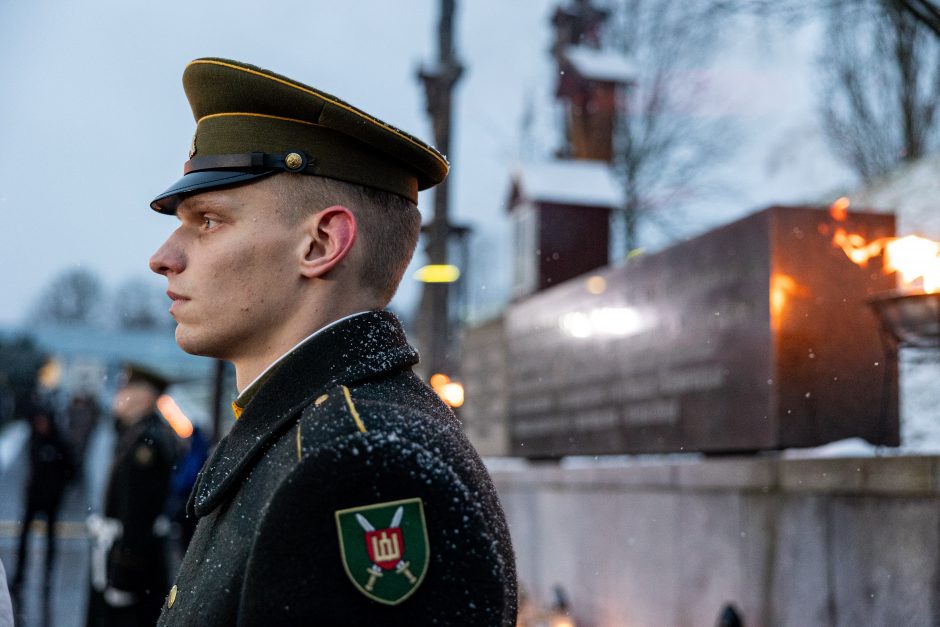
point(915, 259)
point(840, 209)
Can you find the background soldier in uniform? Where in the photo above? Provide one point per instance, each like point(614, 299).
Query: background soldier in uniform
point(51, 467)
point(83, 412)
point(129, 570)
point(346, 492)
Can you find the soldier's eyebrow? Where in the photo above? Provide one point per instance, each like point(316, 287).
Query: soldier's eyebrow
point(203, 202)
point(199, 204)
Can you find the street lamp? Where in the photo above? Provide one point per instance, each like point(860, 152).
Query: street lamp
point(451, 392)
point(437, 273)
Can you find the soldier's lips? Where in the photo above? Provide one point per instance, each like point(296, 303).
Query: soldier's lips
point(177, 299)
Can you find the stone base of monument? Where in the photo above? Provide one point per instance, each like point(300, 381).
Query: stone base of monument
point(789, 542)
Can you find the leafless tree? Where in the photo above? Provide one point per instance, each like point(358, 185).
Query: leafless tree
point(881, 73)
point(138, 304)
point(925, 12)
point(72, 298)
point(666, 148)
point(880, 70)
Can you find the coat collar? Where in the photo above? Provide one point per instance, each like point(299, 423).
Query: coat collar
point(353, 350)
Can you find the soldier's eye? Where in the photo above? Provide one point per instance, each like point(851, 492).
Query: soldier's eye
point(208, 223)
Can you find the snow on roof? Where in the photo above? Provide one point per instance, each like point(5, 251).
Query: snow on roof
point(912, 192)
point(601, 65)
point(569, 182)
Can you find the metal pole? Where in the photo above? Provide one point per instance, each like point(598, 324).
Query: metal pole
point(218, 377)
point(434, 328)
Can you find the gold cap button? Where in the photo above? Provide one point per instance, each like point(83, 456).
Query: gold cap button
point(172, 599)
point(293, 161)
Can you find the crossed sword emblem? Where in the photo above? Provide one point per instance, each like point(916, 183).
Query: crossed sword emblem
point(401, 568)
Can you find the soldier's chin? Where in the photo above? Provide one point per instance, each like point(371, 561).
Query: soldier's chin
point(194, 343)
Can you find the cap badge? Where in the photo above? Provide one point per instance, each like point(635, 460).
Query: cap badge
point(192, 147)
point(293, 161)
point(143, 455)
point(385, 563)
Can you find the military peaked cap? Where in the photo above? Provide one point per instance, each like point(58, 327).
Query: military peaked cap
point(137, 373)
point(251, 122)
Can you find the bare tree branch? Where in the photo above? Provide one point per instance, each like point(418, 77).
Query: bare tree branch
point(924, 11)
point(665, 148)
point(72, 298)
point(881, 72)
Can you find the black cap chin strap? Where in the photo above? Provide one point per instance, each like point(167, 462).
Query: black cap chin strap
point(293, 161)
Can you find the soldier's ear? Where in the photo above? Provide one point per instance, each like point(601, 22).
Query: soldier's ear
point(329, 235)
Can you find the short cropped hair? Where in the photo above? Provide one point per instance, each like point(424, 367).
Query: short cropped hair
point(388, 224)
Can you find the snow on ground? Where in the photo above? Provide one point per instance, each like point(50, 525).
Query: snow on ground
point(920, 400)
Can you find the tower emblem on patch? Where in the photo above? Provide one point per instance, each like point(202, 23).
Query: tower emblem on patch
point(384, 548)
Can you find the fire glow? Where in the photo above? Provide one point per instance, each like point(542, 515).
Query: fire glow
point(782, 288)
point(174, 416)
point(451, 392)
point(915, 259)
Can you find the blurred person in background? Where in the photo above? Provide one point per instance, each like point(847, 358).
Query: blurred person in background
point(7, 398)
point(51, 467)
point(83, 412)
point(194, 455)
point(129, 566)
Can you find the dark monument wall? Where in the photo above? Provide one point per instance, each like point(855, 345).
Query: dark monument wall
point(753, 336)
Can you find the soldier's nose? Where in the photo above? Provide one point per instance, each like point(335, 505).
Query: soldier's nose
point(168, 259)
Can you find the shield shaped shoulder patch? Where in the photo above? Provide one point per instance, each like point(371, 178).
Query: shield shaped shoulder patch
point(384, 547)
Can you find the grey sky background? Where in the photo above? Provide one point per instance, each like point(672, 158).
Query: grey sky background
point(93, 120)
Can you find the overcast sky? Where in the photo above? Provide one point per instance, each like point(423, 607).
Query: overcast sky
point(94, 123)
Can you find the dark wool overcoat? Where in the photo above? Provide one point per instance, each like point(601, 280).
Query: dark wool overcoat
point(136, 494)
point(343, 424)
point(51, 467)
point(137, 490)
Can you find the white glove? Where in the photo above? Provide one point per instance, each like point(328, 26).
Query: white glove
point(119, 598)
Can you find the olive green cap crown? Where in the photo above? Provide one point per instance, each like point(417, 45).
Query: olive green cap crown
point(138, 373)
point(251, 122)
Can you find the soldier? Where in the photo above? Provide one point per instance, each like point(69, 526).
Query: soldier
point(129, 570)
point(83, 412)
point(346, 492)
point(51, 468)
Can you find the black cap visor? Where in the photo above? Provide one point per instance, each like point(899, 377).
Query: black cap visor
point(201, 181)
